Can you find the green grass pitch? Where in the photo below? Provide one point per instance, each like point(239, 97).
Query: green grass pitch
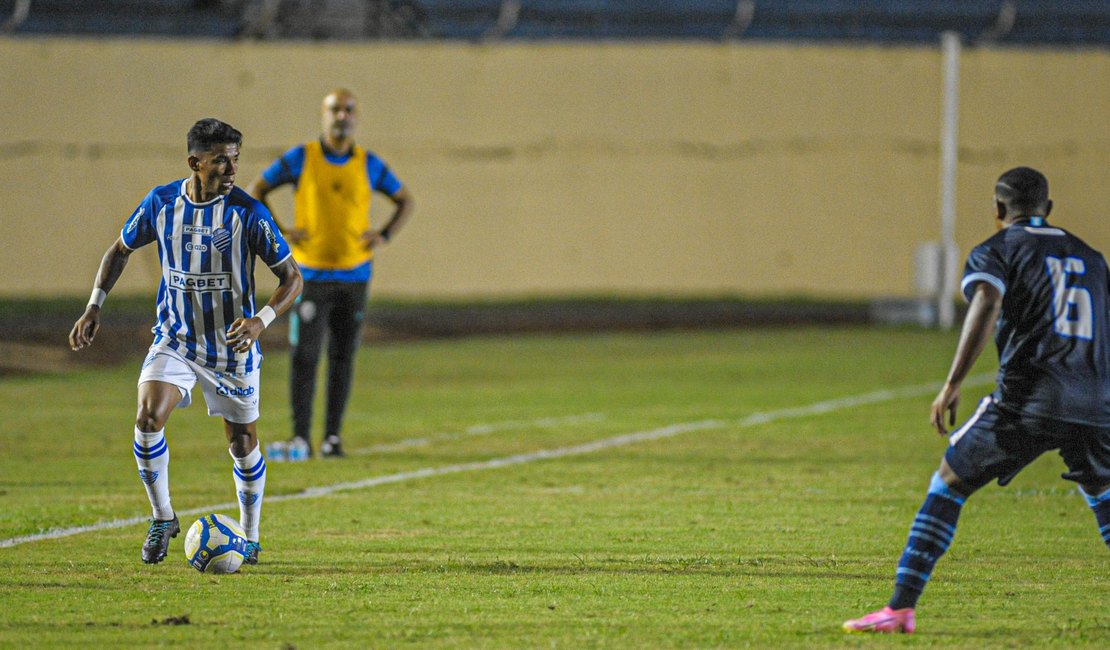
point(692, 496)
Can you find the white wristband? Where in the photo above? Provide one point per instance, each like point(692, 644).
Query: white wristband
point(97, 297)
point(266, 315)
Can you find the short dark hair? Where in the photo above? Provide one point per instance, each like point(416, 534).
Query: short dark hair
point(209, 132)
point(1024, 192)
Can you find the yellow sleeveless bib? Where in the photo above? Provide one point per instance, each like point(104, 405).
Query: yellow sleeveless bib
point(332, 205)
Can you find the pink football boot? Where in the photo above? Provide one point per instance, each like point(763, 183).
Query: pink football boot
point(885, 620)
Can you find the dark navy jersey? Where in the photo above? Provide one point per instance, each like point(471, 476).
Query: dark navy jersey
point(1052, 333)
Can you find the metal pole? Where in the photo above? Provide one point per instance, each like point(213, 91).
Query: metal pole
point(949, 137)
point(507, 16)
point(741, 19)
point(19, 14)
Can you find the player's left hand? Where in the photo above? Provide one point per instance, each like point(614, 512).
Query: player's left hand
point(948, 399)
point(243, 333)
point(371, 239)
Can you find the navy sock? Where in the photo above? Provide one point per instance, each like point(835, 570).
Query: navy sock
point(930, 535)
point(1100, 505)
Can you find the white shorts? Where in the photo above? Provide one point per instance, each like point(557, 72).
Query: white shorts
point(233, 397)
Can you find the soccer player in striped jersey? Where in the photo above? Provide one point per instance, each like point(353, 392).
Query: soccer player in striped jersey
point(334, 242)
point(209, 234)
point(1046, 292)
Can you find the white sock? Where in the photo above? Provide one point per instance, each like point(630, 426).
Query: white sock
point(250, 484)
point(153, 458)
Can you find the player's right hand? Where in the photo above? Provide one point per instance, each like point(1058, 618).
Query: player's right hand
point(948, 399)
point(85, 329)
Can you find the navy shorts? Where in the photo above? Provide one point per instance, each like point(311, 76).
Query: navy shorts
point(997, 444)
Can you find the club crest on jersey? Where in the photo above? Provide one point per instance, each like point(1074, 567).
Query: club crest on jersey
point(221, 239)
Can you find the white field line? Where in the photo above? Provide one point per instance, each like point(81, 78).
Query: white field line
point(479, 430)
point(670, 431)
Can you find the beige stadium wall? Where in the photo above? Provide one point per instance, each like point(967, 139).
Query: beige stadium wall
point(564, 169)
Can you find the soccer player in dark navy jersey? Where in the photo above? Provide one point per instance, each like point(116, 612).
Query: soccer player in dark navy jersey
point(1044, 292)
point(1052, 347)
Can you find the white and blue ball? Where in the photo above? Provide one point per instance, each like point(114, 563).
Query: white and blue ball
point(215, 544)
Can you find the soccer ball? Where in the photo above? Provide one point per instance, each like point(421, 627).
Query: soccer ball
point(215, 544)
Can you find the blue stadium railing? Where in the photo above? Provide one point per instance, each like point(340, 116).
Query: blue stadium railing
point(1059, 22)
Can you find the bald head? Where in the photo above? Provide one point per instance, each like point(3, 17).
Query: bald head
point(339, 118)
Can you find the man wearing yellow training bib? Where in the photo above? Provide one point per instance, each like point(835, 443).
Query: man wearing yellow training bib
point(333, 241)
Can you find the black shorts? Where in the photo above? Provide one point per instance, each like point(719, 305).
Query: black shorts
point(997, 444)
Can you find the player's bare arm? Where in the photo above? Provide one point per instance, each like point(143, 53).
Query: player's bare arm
point(260, 190)
point(245, 331)
point(403, 206)
point(111, 268)
point(978, 327)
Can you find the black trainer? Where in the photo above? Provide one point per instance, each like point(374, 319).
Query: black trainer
point(331, 447)
point(252, 551)
point(158, 539)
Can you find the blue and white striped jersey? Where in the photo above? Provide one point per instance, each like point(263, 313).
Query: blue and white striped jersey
point(207, 252)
